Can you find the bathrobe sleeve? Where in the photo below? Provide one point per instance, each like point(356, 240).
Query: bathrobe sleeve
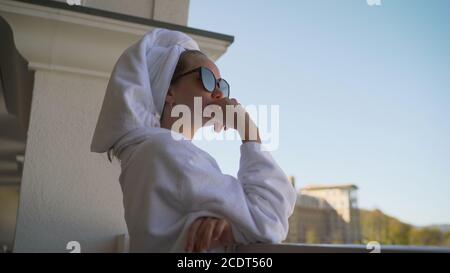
point(257, 203)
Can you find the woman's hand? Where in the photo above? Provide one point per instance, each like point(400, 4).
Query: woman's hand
point(208, 233)
point(223, 103)
point(240, 121)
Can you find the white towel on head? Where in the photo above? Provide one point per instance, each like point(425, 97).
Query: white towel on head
point(137, 89)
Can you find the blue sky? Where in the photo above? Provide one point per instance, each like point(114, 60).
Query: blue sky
point(364, 94)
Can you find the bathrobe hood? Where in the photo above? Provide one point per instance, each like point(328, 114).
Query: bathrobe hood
point(136, 91)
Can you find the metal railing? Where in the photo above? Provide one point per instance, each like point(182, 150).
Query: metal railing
point(372, 247)
point(335, 248)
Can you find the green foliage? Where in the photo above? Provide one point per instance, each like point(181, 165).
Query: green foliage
point(377, 226)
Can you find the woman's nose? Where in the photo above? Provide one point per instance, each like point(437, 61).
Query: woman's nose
point(217, 94)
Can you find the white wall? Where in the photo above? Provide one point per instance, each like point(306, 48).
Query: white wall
point(67, 192)
point(171, 11)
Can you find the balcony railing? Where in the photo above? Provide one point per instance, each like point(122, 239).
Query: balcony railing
point(123, 246)
point(334, 248)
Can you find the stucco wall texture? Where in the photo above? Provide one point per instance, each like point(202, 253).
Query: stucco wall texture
point(67, 192)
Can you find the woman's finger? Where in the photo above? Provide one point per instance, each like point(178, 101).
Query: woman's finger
point(204, 234)
point(207, 238)
point(220, 227)
point(198, 235)
point(191, 237)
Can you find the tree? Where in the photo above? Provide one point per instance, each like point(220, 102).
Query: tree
point(377, 226)
point(425, 236)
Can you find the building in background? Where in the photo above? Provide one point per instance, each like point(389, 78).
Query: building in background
point(325, 214)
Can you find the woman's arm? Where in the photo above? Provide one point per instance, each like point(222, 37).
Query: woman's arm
point(257, 203)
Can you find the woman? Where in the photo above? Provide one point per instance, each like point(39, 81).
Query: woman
point(175, 196)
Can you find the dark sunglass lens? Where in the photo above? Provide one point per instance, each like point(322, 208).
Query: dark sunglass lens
point(224, 87)
point(209, 81)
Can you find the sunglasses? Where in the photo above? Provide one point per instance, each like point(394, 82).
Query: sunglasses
point(208, 80)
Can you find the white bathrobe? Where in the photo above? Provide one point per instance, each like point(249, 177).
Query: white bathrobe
point(168, 182)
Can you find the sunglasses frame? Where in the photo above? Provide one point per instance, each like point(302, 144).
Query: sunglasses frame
point(199, 69)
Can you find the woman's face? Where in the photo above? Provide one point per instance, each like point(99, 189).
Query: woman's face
point(190, 86)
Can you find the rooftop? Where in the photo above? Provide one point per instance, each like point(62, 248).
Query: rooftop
point(324, 187)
